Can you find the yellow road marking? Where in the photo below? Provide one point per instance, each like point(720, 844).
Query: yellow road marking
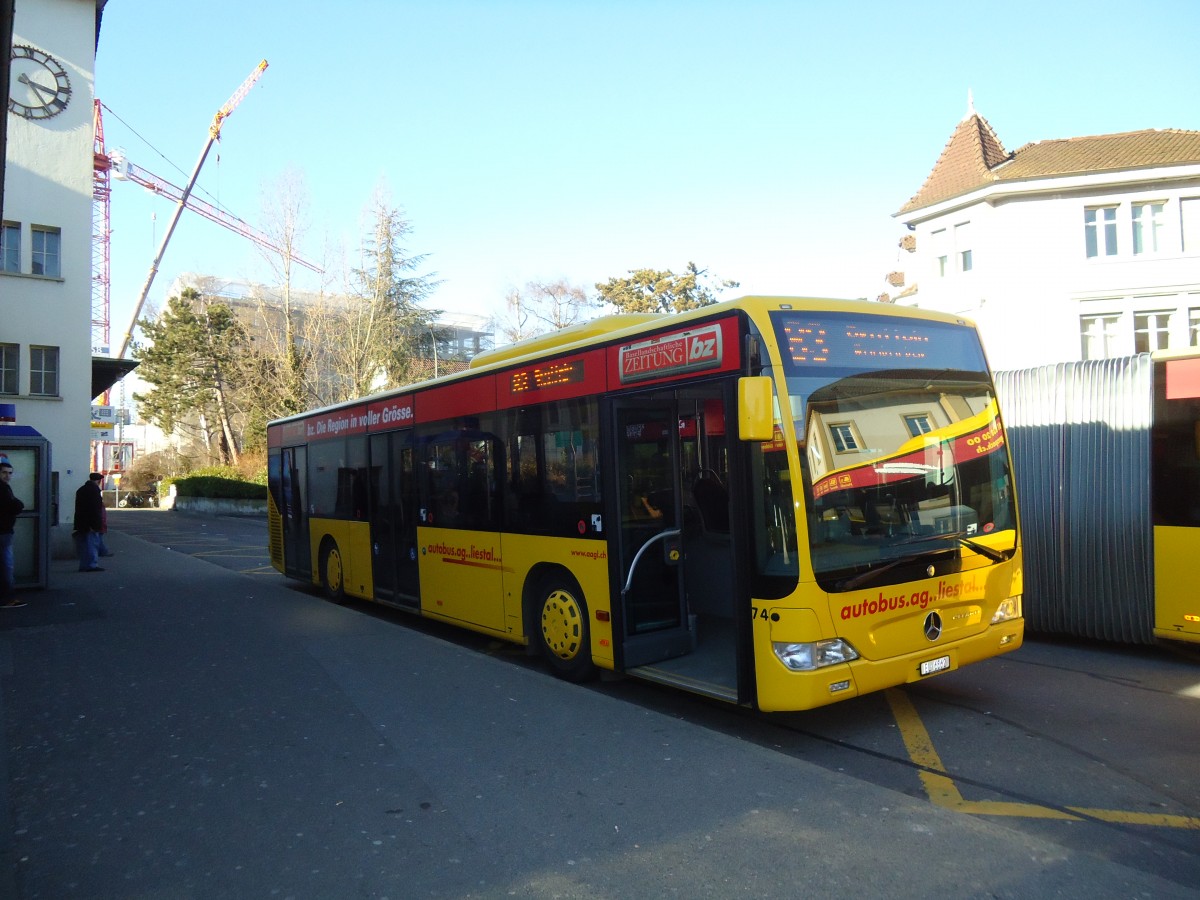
point(943, 792)
point(1135, 818)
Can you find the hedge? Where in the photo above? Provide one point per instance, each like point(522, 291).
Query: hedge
point(197, 485)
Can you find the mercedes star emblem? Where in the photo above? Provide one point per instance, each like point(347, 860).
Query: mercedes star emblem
point(933, 626)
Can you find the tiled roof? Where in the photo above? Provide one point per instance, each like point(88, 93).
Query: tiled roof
point(1103, 153)
point(974, 157)
point(966, 162)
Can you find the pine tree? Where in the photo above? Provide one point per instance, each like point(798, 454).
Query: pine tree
point(662, 291)
point(194, 347)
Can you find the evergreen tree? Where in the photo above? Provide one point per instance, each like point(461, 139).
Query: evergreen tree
point(652, 290)
point(388, 326)
point(194, 349)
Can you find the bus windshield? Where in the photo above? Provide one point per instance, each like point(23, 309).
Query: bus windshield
point(901, 447)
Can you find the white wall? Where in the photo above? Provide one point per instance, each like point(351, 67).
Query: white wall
point(48, 181)
point(1031, 278)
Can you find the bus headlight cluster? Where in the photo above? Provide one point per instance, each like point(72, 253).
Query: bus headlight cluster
point(1008, 609)
point(814, 655)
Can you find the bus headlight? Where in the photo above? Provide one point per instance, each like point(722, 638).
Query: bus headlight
point(806, 657)
point(1008, 609)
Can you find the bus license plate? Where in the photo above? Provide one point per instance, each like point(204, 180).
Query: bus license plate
point(941, 664)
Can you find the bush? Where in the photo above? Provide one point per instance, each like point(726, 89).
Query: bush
point(220, 481)
point(150, 469)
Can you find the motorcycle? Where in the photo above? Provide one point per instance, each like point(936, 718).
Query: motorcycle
point(137, 500)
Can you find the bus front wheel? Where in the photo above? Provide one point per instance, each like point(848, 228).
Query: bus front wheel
point(562, 629)
point(333, 575)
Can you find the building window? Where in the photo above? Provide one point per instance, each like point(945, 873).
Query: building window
point(962, 246)
point(843, 438)
point(1194, 327)
point(1150, 331)
point(10, 247)
point(1100, 231)
point(918, 425)
point(10, 355)
point(43, 371)
point(1147, 225)
point(941, 256)
point(1099, 336)
point(45, 243)
point(1189, 223)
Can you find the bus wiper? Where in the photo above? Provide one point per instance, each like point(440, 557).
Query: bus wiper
point(993, 555)
point(982, 549)
point(863, 577)
point(961, 537)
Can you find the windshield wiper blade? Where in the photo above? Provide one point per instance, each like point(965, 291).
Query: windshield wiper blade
point(961, 537)
point(982, 549)
point(863, 577)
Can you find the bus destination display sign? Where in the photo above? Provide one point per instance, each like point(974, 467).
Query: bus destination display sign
point(815, 342)
point(839, 343)
point(537, 378)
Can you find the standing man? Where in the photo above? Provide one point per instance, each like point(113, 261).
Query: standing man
point(89, 519)
point(10, 506)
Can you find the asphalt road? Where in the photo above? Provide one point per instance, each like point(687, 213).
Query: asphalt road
point(196, 750)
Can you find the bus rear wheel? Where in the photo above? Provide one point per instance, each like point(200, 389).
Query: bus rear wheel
point(333, 575)
point(562, 629)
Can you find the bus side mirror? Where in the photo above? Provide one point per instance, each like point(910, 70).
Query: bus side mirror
point(756, 408)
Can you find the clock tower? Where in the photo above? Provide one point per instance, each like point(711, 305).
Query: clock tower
point(46, 239)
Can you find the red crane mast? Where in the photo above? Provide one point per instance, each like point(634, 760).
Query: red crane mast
point(101, 230)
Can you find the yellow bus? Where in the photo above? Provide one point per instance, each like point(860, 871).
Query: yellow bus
point(1107, 456)
point(777, 502)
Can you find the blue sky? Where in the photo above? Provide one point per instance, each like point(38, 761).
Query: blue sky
point(770, 142)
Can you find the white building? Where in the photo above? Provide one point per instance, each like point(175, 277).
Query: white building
point(46, 365)
point(1067, 249)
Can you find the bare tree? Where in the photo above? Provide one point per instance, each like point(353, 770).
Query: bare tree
point(518, 321)
point(285, 214)
point(543, 306)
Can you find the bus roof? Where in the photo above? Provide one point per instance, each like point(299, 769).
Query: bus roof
point(585, 334)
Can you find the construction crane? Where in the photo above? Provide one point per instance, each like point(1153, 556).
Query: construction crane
point(122, 168)
point(107, 166)
point(101, 230)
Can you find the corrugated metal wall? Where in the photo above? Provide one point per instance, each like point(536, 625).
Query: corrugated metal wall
point(1080, 440)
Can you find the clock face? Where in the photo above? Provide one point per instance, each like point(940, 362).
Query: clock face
point(39, 86)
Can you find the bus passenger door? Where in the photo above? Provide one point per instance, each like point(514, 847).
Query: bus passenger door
point(651, 591)
point(393, 518)
point(297, 556)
